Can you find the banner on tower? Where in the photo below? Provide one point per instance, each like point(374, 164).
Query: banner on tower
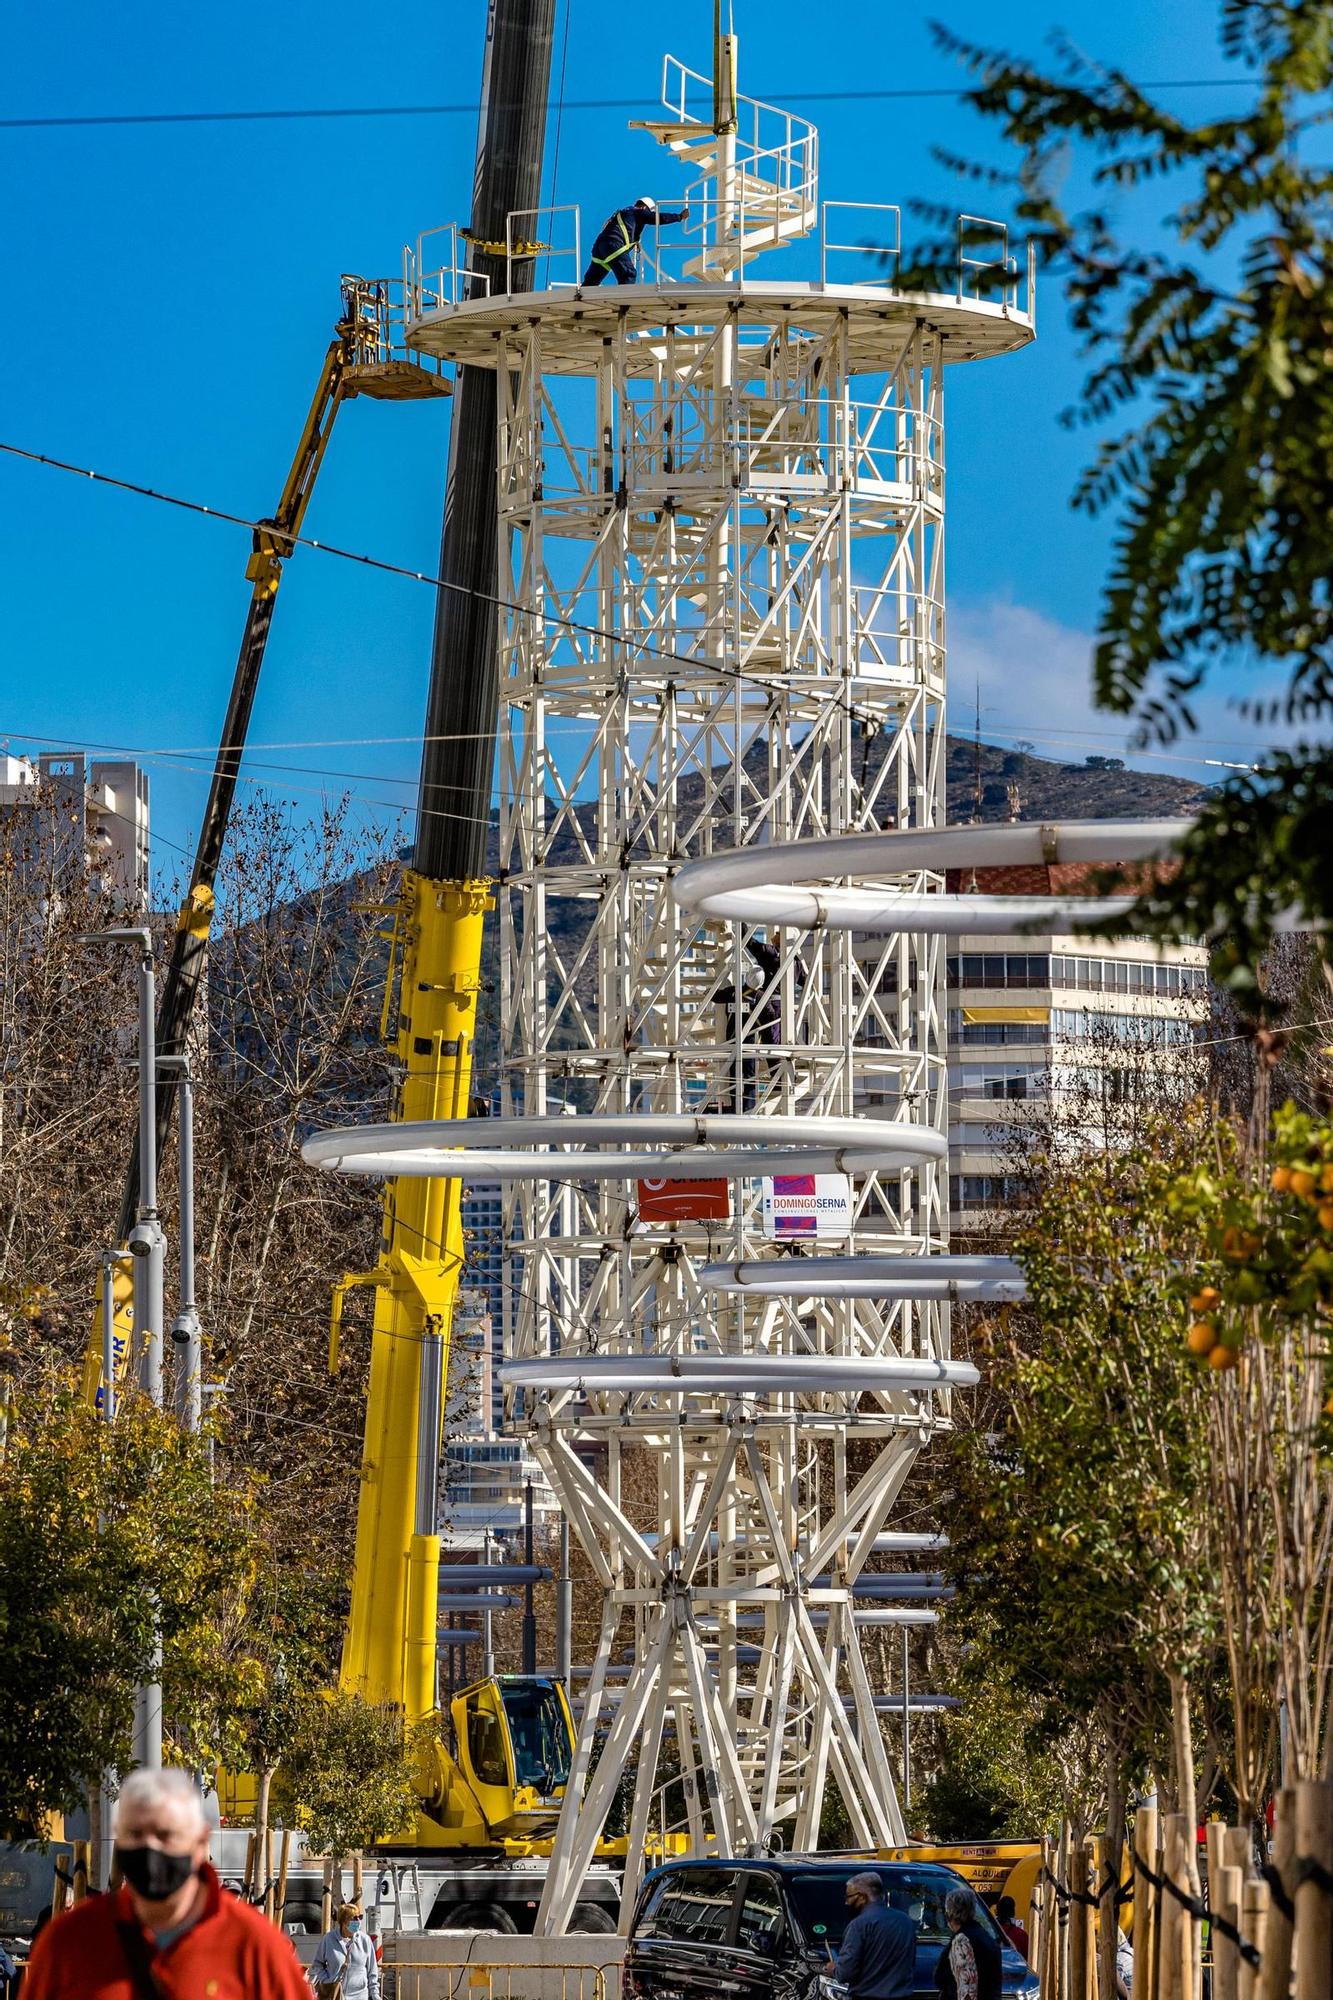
point(684, 1201)
point(816, 1207)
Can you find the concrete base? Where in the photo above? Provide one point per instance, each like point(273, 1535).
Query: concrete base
point(487, 1965)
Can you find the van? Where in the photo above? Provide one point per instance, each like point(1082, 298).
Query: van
point(763, 1930)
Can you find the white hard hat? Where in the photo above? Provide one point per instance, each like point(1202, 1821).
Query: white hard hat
point(646, 201)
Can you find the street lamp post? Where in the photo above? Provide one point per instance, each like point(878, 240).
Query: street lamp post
point(147, 1247)
point(186, 1336)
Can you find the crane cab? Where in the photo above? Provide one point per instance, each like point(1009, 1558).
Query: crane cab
point(514, 1738)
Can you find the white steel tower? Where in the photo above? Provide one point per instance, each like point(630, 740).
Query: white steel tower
point(721, 498)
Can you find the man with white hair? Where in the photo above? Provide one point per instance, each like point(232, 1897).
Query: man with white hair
point(170, 1932)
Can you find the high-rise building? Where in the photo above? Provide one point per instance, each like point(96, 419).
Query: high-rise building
point(1053, 1015)
point(94, 809)
point(484, 1475)
point(489, 1270)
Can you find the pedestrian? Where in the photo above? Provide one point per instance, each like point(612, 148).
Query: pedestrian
point(969, 1966)
point(877, 1957)
point(1006, 1914)
point(345, 1966)
point(1124, 1966)
point(618, 238)
point(170, 1932)
point(9, 1973)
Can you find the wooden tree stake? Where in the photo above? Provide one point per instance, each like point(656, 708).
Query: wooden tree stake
point(1314, 1908)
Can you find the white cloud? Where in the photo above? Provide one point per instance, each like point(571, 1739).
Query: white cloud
point(1035, 679)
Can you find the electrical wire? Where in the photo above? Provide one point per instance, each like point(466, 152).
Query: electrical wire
point(773, 683)
point(640, 646)
point(471, 108)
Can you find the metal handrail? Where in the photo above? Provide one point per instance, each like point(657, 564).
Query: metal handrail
point(448, 283)
point(892, 250)
point(1004, 263)
point(534, 216)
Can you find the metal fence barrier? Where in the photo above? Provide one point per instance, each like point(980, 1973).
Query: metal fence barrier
point(478, 1977)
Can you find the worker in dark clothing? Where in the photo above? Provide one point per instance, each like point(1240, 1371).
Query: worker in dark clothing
point(877, 1959)
point(619, 236)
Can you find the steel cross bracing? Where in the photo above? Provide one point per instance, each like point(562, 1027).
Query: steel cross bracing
point(763, 533)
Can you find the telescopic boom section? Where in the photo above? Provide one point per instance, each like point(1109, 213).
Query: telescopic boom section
point(273, 543)
point(390, 1647)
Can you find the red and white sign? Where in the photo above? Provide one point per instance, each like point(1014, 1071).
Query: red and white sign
point(684, 1201)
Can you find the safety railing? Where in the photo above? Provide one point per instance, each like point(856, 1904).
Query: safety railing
point(719, 235)
point(549, 234)
point(885, 254)
point(376, 312)
point(770, 189)
point(897, 634)
point(986, 271)
point(474, 1973)
point(760, 128)
point(429, 286)
point(888, 444)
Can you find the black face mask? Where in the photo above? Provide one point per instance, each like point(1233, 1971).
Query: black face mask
point(155, 1874)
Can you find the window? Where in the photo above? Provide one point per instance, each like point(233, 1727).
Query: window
point(539, 1734)
point(999, 969)
point(694, 1904)
point(995, 1034)
point(817, 1901)
point(762, 1913)
point(485, 1747)
point(983, 1190)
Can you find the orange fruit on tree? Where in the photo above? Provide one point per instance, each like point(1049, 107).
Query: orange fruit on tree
point(1326, 1180)
point(1303, 1183)
point(1202, 1337)
point(1326, 1215)
point(1206, 1299)
point(1222, 1358)
point(1280, 1180)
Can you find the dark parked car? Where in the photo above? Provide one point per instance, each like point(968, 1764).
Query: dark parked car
point(762, 1929)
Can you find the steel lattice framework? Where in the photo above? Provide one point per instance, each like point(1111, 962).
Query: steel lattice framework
point(722, 545)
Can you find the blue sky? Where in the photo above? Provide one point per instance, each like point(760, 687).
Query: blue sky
point(171, 289)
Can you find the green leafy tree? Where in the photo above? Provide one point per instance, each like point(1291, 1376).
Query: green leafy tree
point(1209, 363)
point(110, 1533)
point(1005, 1768)
point(1078, 1520)
point(348, 1775)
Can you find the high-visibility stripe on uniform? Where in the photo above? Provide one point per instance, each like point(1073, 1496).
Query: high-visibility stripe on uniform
point(616, 255)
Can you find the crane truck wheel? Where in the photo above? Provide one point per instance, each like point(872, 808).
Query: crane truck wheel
point(477, 1917)
point(590, 1918)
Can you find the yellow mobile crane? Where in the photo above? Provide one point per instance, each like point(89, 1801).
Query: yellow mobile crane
point(496, 1795)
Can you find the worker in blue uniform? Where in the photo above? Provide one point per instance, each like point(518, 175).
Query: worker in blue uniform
point(618, 236)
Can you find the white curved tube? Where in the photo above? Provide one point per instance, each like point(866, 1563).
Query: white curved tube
point(735, 1147)
point(882, 913)
point(795, 863)
point(714, 1374)
point(880, 1277)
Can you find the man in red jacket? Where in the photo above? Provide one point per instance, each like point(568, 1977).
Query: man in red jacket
point(170, 1932)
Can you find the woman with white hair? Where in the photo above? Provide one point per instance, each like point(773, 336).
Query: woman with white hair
point(969, 1967)
point(170, 1932)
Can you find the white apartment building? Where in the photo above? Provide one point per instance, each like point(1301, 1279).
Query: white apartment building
point(1043, 1012)
point(97, 809)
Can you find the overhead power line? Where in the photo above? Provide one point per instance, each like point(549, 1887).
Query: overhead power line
point(630, 641)
point(469, 110)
